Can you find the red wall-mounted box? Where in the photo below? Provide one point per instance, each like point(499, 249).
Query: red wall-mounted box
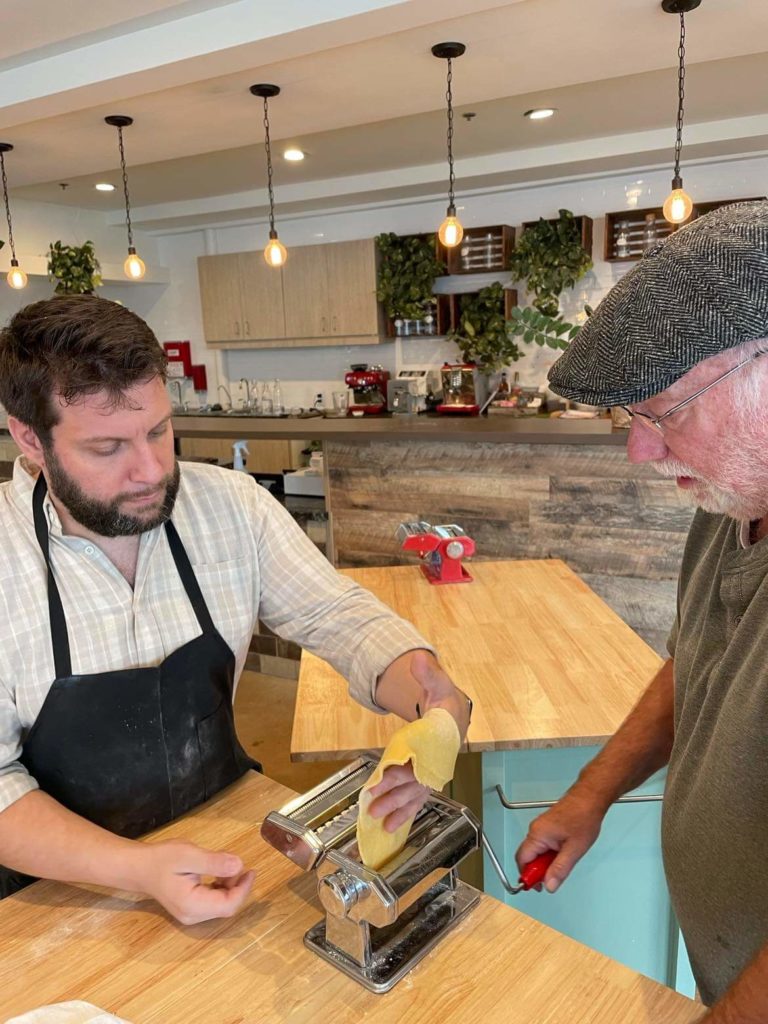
point(199, 378)
point(179, 358)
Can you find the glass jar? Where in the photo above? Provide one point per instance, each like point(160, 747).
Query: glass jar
point(650, 231)
point(622, 239)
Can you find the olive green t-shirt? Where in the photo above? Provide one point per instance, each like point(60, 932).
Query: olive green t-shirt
point(715, 818)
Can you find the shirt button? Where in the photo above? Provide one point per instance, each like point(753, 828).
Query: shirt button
point(89, 549)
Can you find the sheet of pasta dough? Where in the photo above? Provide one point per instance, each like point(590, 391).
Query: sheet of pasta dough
point(431, 744)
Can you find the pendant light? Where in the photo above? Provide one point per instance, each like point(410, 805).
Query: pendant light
point(678, 205)
point(450, 232)
point(134, 266)
point(275, 252)
point(16, 277)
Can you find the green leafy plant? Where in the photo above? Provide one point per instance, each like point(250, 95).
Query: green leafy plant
point(538, 328)
point(549, 258)
point(75, 268)
point(407, 274)
point(481, 333)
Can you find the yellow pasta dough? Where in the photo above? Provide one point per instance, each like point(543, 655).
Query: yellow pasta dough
point(431, 744)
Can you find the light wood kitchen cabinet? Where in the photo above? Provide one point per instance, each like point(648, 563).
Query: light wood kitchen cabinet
point(324, 295)
point(241, 298)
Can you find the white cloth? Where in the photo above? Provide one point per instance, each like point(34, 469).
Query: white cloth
point(74, 1012)
point(251, 560)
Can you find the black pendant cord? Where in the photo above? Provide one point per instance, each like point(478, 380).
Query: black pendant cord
point(268, 147)
point(7, 207)
point(125, 187)
point(680, 99)
point(451, 175)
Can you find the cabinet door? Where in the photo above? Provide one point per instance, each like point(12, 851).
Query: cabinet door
point(305, 292)
point(220, 297)
point(352, 287)
point(261, 288)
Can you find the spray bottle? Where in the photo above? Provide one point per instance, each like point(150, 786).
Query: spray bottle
point(238, 461)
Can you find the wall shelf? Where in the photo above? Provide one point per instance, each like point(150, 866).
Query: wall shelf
point(482, 250)
point(634, 222)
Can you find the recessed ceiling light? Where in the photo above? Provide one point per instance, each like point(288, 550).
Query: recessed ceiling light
point(293, 154)
point(539, 113)
point(104, 186)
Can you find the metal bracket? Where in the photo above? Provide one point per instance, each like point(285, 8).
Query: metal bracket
point(531, 805)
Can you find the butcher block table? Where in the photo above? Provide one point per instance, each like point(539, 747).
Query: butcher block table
point(552, 671)
point(125, 955)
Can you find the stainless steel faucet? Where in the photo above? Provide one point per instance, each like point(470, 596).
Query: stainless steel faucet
point(226, 392)
point(247, 399)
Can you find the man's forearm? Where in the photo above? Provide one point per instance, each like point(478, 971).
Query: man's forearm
point(40, 837)
point(746, 1001)
point(641, 745)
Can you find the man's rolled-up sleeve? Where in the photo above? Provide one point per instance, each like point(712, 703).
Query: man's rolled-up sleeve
point(15, 780)
point(302, 598)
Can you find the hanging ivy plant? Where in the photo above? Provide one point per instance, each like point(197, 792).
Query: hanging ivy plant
point(481, 333)
point(407, 274)
point(549, 258)
point(75, 268)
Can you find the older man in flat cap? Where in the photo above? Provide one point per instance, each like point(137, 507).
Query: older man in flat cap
point(682, 342)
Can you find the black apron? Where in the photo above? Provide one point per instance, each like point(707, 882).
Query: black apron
point(133, 749)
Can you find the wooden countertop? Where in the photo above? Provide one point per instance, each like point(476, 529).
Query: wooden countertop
point(123, 954)
point(545, 660)
point(496, 429)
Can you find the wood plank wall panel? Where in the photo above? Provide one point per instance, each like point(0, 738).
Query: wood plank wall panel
point(621, 527)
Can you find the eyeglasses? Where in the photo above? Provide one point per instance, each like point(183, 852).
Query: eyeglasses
point(656, 421)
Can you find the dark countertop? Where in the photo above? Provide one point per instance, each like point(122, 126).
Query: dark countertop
point(496, 429)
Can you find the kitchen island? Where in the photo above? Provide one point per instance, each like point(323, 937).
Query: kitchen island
point(552, 672)
point(125, 955)
point(528, 487)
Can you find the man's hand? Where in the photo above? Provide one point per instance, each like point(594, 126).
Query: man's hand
point(570, 827)
point(415, 678)
point(172, 872)
point(399, 796)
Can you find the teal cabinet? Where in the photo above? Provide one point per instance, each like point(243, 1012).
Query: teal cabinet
point(616, 899)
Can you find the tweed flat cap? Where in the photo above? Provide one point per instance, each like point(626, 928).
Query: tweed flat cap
point(701, 290)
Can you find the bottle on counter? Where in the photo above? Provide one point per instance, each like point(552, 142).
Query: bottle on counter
point(622, 239)
point(239, 449)
point(277, 399)
point(318, 402)
point(503, 389)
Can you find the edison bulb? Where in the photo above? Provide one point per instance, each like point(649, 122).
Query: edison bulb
point(275, 253)
point(134, 267)
point(16, 277)
point(678, 206)
point(451, 232)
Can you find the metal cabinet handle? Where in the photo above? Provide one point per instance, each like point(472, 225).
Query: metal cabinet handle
point(324, 324)
point(530, 805)
point(237, 328)
point(334, 325)
point(247, 327)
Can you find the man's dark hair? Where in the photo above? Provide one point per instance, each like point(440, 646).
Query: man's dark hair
point(69, 347)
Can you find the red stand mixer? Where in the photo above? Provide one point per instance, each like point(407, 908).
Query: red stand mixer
point(441, 549)
point(369, 388)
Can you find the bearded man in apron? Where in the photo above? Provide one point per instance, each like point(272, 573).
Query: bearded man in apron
point(130, 586)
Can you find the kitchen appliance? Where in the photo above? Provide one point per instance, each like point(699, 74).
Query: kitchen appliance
point(409, 390)
point(441, 549)
point(380, 924)
point(369, 388)
point(465, 389)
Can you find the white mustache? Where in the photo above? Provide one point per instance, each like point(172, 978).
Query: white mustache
point(673, 468)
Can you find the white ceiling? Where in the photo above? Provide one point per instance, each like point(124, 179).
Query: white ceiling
point(363, 95)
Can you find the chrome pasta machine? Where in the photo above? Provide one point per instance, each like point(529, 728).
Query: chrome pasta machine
point(380, 924)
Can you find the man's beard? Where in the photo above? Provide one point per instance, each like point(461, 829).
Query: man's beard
point(104, 517)
point(749, 503)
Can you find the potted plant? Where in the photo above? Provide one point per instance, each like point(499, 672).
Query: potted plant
point(407, 273)
point(549, 258)
point(75, 268)
point(481, 332)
